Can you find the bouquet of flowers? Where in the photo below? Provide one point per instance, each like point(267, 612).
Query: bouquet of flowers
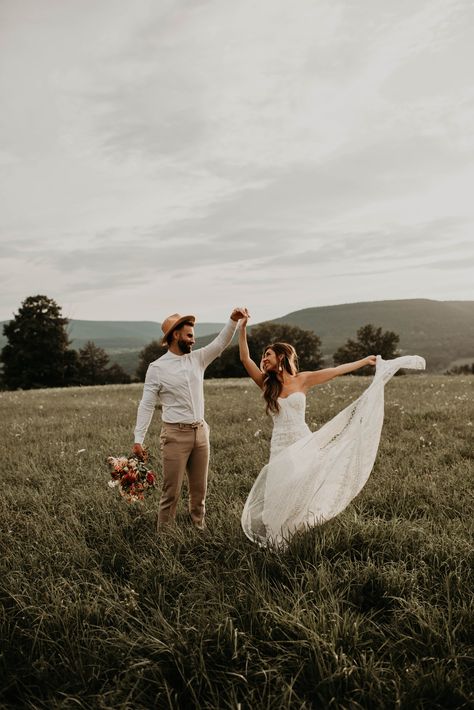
point(132, 477)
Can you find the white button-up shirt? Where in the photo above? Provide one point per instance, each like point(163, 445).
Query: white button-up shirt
point(177, 381)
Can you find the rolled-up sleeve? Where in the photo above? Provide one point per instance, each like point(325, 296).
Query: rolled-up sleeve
point(209, 352)
point(146, 408)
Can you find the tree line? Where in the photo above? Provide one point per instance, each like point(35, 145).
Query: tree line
point(38, 352)
point(369, 340)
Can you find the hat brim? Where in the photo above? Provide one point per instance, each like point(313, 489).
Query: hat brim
point(180, 321)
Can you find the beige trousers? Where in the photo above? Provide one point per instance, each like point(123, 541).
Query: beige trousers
point(184, 449)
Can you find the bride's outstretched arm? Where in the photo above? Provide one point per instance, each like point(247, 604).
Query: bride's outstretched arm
point(253, 371)
point(329, 373)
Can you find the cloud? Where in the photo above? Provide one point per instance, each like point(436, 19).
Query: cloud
point(234, 145)
point(449, 264)
point(394, 248)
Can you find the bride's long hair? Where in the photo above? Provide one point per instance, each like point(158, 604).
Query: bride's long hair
point(272, 385)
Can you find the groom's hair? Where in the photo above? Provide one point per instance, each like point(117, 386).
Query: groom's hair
point(175, 330)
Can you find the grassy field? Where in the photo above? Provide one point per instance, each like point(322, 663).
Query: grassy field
point(372, 610)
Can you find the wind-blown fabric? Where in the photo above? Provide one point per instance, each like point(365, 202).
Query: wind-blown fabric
point(313, 476)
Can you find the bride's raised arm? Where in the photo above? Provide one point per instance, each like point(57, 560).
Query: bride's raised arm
point(252, 369)
point(329, 373)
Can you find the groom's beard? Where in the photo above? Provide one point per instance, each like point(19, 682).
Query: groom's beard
point(184, 347)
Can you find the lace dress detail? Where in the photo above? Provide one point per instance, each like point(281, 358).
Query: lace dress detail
point(313, 476)
point(289, 423)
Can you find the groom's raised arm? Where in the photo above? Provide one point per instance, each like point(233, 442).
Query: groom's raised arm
point(209, 352)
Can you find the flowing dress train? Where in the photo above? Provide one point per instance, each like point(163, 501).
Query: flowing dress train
point(313, 476)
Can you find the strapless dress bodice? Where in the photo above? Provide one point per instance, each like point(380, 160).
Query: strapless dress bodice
point(289, 423)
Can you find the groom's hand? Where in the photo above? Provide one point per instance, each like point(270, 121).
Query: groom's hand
point(139, 451)
point(239, 313)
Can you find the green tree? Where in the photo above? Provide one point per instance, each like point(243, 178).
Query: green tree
point(465, 369)
point(94, 367)
point(150, 352)
point(93, 363)
point(370, 341)
point(37, 352)
point(306, 343)
point(116, 375)
point(71, 367)
point(226, 365)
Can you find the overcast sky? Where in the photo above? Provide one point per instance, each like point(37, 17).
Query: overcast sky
point(160, 156)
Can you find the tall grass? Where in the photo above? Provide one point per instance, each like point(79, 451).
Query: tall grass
point(371, 610)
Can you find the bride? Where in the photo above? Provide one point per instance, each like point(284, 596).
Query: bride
point(311, 476)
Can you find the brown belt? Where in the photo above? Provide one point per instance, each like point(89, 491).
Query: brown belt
point(182, 425)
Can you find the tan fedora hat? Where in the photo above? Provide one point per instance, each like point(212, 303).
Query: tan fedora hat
point(173, 322)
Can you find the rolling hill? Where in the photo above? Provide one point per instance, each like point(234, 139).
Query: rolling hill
point(440, 331)
point(122, 340)
point(116, 336)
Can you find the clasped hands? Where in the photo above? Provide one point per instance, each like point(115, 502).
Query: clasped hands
point(239, 313)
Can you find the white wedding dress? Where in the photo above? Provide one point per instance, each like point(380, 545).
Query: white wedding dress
point(313, 476)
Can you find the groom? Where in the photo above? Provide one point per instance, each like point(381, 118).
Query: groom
point(176, 379)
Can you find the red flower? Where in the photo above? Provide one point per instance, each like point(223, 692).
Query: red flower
point(150, 478)
point(130, 477)
point(133, 477)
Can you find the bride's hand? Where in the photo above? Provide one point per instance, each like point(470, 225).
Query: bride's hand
point(371, 360)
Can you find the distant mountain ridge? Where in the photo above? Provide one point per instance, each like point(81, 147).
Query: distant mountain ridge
point(121, 335)
point(116, 336)
point(440, 331)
